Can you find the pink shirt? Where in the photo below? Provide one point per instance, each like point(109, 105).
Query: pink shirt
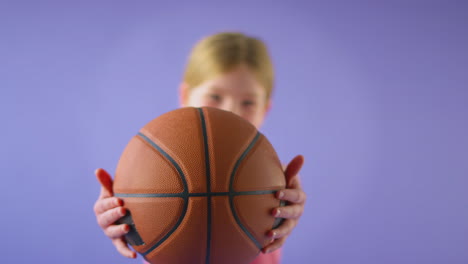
point(270, 258)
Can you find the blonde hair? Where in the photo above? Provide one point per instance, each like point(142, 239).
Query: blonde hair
point(223, 52)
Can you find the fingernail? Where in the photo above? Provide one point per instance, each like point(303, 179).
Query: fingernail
point(126, 228)
point(278, 211)
point(273, 234)
point(280, 195)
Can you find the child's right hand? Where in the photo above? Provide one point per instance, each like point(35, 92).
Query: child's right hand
point(108, 210)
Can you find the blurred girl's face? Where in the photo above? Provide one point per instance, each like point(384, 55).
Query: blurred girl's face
point(237, 91)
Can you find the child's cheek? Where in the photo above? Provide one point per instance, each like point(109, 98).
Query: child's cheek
point(211, 104)
point(208, 102)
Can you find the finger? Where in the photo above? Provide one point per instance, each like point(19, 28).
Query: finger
point(289, 212)
point(294, 182)
point(293, 168)
point(123, 248)
point(117, 231)
point(274, 246)
point(292, 195)
point(283, 230)
point(110, 216)
point(105, 180)
point(106, 204)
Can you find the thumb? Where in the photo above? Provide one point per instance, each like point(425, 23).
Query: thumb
point(293, 169)
point(105, 180)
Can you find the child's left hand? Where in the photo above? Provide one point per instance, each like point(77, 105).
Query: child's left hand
point(295, 199)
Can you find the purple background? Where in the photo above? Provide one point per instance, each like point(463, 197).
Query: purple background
point(373, 94)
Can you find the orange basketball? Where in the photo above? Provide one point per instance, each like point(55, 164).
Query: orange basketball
point(199, 186)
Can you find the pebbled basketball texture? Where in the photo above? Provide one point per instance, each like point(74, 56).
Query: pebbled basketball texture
point(199, 186)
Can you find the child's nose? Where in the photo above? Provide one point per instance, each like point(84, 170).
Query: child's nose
point(231, 107)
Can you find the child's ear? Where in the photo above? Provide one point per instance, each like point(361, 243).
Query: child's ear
point(183, 94)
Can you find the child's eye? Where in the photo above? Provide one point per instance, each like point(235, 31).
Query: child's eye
point(247, 103)
point(215, 97)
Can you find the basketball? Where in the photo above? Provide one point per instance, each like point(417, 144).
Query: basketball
point(199, 185)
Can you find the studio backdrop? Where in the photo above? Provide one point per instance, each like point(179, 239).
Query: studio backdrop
point(373, 94)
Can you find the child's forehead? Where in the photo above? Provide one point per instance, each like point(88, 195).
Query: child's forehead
point(239, 89)
point(236, 82)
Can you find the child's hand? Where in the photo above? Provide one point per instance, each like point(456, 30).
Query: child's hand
point(108, 210)
point(295, 198)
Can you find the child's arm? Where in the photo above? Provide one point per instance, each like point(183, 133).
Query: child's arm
point(295, 198)
point(108, 210)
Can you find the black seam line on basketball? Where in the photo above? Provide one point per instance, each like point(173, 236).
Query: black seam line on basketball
point(179, 221)
point(184, 182)
point(231, 190)
point(182, 195)
point(208, 185)
point(158, 148)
